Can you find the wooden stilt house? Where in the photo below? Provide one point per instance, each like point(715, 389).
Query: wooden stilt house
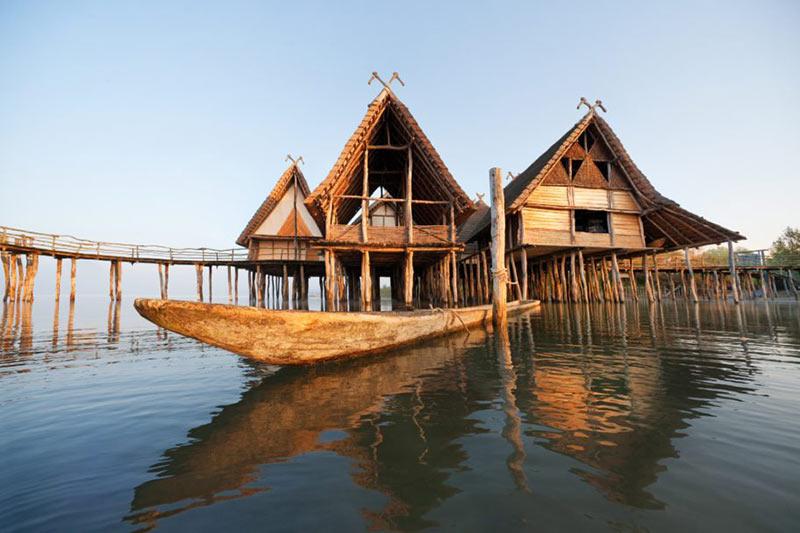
point(280, 237)
point(584, 195)
point(389, 171)
point(282, 228)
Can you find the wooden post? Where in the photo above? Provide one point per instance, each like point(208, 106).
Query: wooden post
point(230, 286)
point(329, 280)
point(12, 277)
point(764, 292)
point(58, 280)
point(112, 271)
point(73, 268)
point(485, 278)
point(563, 278)
point(161, 280)
point(409, 219)
point(524, 268)
point(285, 286)
point(236, 285)
point(692, 285)
point(408, 280)
point(366, 282)
point(515, 276)
point(20, 284)
point(582, 270)
point(658, 279)
point(573, 278)
point(31, 267)
point(634, 283)
point(198, 268)
point(732, 267)
point(454, 278)
point(647, 282)
point(365, 194)
point(303, 286)
point(499, 275)
point(7, 275)
point(620, 289)
point(118, 282)
point(210, 291)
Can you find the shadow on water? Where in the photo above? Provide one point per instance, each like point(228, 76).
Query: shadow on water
point(612, 388)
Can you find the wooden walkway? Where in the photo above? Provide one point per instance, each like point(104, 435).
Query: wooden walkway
point(20, 278)
point(21, 241)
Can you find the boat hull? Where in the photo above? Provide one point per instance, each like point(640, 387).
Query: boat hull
point(285, 337)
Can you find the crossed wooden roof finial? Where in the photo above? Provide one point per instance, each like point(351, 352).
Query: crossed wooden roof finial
point(597, 103)
point(293, 160)
point(510, 175)
point(395, 76)
point(480, 196)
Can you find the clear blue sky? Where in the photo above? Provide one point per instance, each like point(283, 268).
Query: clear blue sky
point(168, 122)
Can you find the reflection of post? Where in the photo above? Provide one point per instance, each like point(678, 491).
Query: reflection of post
point(499, 276)
point(71, 325)
point(56, 310)
point(26, 332)
point(732, 269)
point(512, 430)
point(73, 267)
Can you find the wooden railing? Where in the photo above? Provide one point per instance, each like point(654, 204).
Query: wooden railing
point(744, 259)
point(69, 246)
point(390, 234)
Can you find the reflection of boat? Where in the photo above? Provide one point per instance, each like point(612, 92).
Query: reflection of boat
point(288, 415)
point(305, 337)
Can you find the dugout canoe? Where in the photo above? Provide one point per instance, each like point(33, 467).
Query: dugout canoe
point(286, 337)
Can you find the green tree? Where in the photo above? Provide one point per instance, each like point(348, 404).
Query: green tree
point(786, 249)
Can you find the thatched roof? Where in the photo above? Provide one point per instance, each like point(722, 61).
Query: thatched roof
point(432, 178)
point(662, 217)
point(272, 199)
point(470, 227)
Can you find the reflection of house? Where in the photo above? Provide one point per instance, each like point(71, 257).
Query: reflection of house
point(284, 418)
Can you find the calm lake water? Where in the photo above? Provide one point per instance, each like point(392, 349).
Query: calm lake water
point(670, 417)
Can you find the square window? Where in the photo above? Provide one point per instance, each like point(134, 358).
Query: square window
point(589, 221)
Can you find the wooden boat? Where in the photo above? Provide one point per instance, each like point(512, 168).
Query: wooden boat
point(284, 337)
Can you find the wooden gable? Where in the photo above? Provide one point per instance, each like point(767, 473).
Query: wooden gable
point(282, 210)
point(387, 136)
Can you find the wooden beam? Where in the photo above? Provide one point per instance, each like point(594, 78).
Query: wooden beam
point(365, 200)
point(408, 216)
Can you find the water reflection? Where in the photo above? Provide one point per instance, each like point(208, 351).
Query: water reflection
point(611, 387)
point(394, 432)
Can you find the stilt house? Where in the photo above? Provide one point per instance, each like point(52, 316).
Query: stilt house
point(584, 195)
point(282, 229)
point(389, 172)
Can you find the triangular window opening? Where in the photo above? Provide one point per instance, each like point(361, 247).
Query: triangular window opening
point(605, 169)
point(587, 141)
point(571, 166)
point(576, 165)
